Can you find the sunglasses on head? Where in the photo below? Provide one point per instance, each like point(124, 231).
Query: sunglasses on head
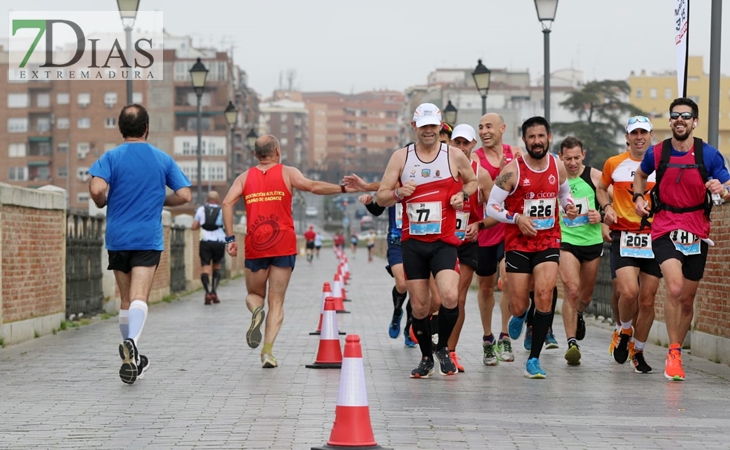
point(684, 115)
point(446, 128)
point(639, 119)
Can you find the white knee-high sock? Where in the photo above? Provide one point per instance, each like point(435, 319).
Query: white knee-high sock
point(137, 318)
point(124, 323)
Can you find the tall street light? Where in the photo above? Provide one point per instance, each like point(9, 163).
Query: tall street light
point(546, 10)
point(482, 77)
point(450, 113)
point(231, 114)
point(128, 12)
point(198, 74)
point(251, 143)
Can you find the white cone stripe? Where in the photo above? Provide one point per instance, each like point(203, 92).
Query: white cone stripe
point(352, 383)
point(329, 329)
point(337, 290)
point(325, 294)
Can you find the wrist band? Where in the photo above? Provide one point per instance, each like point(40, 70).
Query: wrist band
point(230, 239)
point(396, 196)
point(342, 188)
point(517, 216)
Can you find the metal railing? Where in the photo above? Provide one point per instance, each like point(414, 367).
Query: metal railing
point(177, 258)
point(84, 242)
point(601, 302)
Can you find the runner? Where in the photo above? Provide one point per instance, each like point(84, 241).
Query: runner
point(317, 244)
point(637, 272)
point(687, 169)
point(529, 187)
point(309, 237)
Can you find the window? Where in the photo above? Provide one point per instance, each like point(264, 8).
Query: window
point(137, 97)
point(62, 123)
point(283, 129)
point(83, 149)
point(17, 100)
point(639, 93)
point(43, 124)
point(668, 93)
point(62, 172)
point(17, 125)
point(62, 147)
point(84, 122)
point(43, 100)
point(284, 142)
point(110, 99)
point(193, 123)
point(84, 99)
point(16, 150)
point(62, 98)
point(283, 117)
point(652, 93)
point(204, 99)
point(42, 173)
point(82, 173)
point(82, 197)
point(18, 174)
point(110, 122)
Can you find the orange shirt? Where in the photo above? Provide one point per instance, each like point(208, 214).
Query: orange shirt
point(619, 171)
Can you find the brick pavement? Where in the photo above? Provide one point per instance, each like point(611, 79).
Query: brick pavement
point(206, 389)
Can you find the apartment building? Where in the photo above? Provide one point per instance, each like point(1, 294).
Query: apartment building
point(286, 117)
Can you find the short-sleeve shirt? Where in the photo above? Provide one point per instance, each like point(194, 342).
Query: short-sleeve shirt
point(619, 171)
point(137, 174)
point(217, 235)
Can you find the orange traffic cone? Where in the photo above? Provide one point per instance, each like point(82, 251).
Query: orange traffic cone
point(352, 427)
point(346, 270)
point(326, 292)
point(337, 296)
point(329, 354)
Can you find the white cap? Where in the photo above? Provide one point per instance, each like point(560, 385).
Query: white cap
point(637, 122)
point(427, 114)
point(465, 131)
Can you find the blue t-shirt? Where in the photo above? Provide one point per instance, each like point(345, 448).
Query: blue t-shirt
point(393, 231)
point(714, 162)
point(137, 174)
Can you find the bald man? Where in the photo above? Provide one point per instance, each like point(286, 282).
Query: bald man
point(209, 219)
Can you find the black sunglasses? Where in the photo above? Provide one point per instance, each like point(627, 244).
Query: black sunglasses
point(684, 115)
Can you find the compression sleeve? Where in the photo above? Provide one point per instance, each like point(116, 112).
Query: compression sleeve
point(375, 209)
point(564, 195)
point(494, 206)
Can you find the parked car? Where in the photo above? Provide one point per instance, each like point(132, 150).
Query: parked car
point(311, 211)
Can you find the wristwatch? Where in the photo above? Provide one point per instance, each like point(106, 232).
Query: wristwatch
point(231, 238)
point(637, 195)
point(466, 197)
point(481, 225)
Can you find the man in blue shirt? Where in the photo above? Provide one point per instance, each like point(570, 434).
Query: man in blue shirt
point(131, 180)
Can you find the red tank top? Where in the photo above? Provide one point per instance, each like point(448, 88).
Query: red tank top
point(270, 230)
point(470, 212)
point(536, 197)
point(494, 235)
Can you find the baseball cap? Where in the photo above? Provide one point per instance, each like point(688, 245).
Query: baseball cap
point(427, 114)
point(465, 131)
point(638, 122)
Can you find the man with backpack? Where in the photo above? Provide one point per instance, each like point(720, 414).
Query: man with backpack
point(212, 247)
point(689, 173)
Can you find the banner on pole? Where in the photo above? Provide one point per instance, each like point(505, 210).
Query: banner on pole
point(681, 42)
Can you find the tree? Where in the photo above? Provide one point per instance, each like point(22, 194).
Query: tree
point(602, 114)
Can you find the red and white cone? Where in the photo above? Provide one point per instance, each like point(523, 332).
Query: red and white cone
point(346, 270)
point(352, 427)
point(326, 292)
point(329, 354)
point(337, 296)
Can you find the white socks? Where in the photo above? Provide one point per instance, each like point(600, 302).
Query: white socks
point(137, 318)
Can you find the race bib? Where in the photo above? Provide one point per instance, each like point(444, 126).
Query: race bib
point(462, 221)
point(541, 212)
point(424, 218)
point(581, 204)
point(399, 215)
point(635, 245)
point(685, 242)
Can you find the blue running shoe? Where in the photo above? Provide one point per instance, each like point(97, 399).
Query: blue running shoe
point(394, 330)
point(515, 326)
point(409, 341)
point(550, 341)
point(527, 343)
point(533, 369)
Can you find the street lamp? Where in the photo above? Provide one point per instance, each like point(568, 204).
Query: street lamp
point(128, 12)
point(546, 10)
point(482, 77)
point(450, 113)
point(198, 74)
point(231, 114)
point(251, 143)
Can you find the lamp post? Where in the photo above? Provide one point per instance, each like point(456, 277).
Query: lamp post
point(482, 77)
point(128, 12)
point(450, 113)
point(546, 10)
point(713, 119)
point(231, 114)
point(198, 74)
point(251, 143)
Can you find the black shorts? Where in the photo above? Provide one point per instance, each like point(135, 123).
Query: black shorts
point(693, 266)
point(213, 251)
point(488, 259)
point(126, 259)
point(525, 262)
point(583, 253)
point(256, 264)
point(649, 266)
point(468, 253)
point(421, 259)
point(310, 245)
point(318, 246)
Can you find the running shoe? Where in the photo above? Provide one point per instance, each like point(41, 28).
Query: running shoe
point(550, 341)
point(614, 342)
point(527, 343)
point(424, 369)
point(253, 335)
point(515, 326)
point(446, 365)
point(504, 350)
point(408, 341)
point(144, 364)
point(533, 369)
point(214, 297)
point(268, 361)
point(572, 355)
point(640, 365)
point(490, 356)
point(673, 367)
point(621, 352)
point(208, 299)
point(394, 330)
point(130, 361)
point(455, 360)
point(580, 331)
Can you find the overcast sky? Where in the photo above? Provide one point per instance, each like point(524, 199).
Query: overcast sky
point(352, 46)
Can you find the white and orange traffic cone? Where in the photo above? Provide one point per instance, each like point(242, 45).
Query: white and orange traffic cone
point(337, 295)
point(352, 427)
point(329, 354)
point(326, 292)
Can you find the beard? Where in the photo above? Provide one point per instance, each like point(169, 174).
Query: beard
point(532, 153)
point(683, 136)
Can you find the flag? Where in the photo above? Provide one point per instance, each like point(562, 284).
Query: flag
point(681, 42)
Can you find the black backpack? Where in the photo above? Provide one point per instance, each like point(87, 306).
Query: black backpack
point(211, 217)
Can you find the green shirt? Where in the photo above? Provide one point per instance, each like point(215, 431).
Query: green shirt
point(579, 231)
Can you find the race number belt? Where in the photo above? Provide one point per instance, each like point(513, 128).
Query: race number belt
point(685, 242)
point(462, 221)
point(399, 215)
point(541, 212)
point(633, 245)
point(581, 204)
point(424, 218)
